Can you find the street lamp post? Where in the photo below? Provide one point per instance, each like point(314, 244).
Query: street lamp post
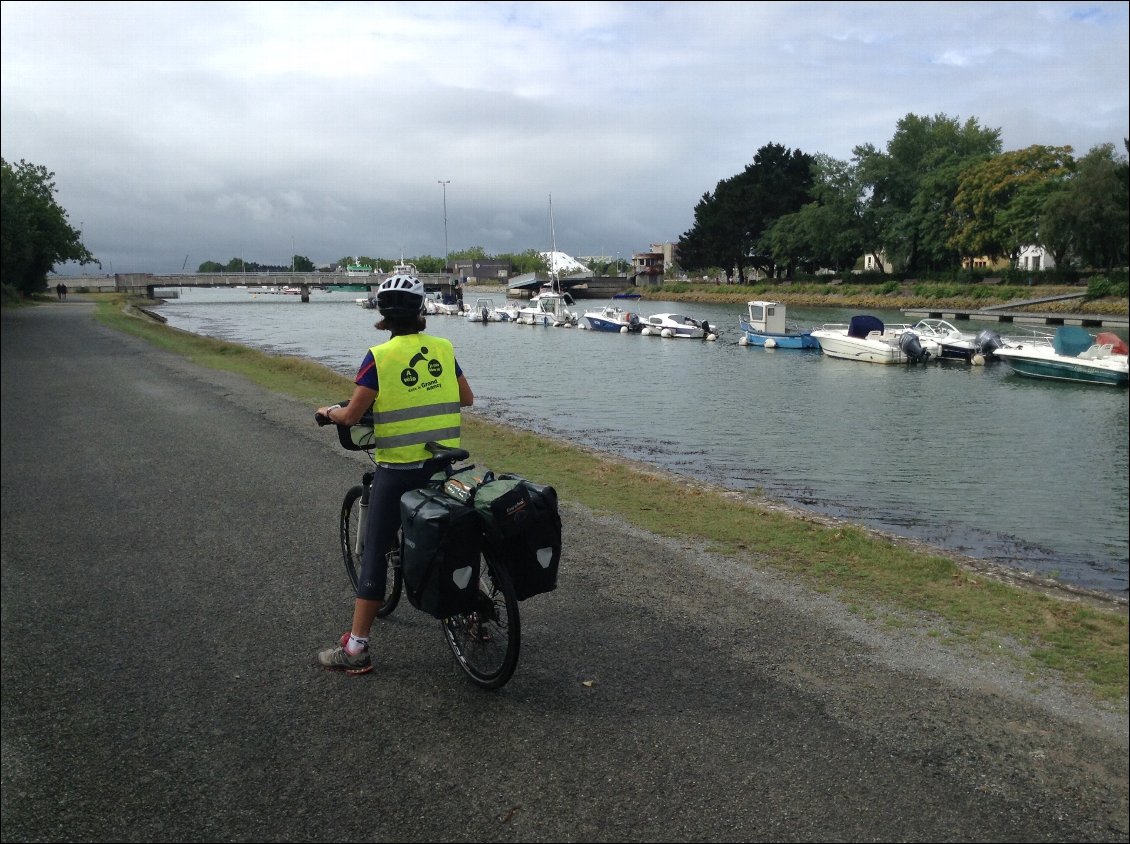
point(444, 183)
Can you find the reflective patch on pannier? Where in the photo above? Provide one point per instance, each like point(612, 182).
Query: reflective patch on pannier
point(463, 484)
point(441, 552)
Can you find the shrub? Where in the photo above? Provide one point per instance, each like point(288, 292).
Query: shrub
point(1098, 287)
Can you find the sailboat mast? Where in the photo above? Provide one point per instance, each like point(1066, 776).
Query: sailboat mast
point(556, 282)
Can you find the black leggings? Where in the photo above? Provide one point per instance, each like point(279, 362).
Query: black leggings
point(383, 523)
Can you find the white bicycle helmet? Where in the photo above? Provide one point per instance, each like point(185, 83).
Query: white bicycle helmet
point(400, 297)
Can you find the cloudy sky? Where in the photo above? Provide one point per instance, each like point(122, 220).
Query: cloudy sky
point(186, 132)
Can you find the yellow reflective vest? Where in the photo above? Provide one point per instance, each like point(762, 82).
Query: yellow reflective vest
point(417, 397)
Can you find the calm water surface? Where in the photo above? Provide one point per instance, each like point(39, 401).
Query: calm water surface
point(975, 459)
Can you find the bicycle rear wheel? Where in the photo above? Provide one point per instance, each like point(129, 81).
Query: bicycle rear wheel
point(486, 641)
point(350, 552)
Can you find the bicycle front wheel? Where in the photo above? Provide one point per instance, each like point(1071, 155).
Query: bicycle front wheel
point(486, 641)
point(351, 547)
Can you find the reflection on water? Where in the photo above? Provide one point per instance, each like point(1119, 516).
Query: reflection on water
point(974, 459)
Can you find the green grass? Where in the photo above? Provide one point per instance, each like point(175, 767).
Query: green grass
point(879, 577)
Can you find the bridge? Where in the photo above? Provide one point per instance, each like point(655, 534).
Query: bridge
point(150, 283)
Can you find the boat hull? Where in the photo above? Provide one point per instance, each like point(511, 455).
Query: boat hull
point(602, 324)
point(790, 340)
point(836, 345)
point(1078, 372)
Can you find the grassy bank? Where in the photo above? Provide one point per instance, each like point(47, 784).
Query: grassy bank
point(891, 581)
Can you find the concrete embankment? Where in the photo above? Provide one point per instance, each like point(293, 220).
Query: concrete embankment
point(170, 567)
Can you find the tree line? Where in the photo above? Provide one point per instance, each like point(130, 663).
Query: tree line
point(941, 194)
point(519, 263)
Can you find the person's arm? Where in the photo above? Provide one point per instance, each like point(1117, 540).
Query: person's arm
point(360, 402)
point(466, 397)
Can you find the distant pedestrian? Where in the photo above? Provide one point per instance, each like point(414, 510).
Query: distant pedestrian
point(64, 296)
point(59, 291)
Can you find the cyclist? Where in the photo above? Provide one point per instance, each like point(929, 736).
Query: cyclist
point(415, 388)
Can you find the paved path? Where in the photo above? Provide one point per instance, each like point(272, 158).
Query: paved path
point(170, 569)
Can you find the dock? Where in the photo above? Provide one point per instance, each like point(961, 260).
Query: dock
point(1008, 313)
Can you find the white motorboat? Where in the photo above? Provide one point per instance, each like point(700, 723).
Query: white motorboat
point(613, 319)
point(549, 307)
point(507, 312)
point(1071, 355)
point(866, 339)
point(954, 344)
point(483, 311)
point(678, 325)
point(436, 305)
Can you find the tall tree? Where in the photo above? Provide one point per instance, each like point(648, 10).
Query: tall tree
point(999, 201)
point(829, 232)
point(35, 235)
point(1090, 218)
point(913, 183)
point(732, 223)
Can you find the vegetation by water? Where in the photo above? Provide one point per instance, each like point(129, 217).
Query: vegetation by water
point(883, 578)
point(1100, 296)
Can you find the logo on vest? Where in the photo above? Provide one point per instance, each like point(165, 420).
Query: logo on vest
point(410, 378)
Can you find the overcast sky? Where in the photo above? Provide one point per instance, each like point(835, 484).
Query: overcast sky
point(186, 132)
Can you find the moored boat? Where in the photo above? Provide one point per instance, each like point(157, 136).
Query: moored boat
point(548, 307)
point(867, 339)
point(678, 325)
point(483, 311)
point(768, 327)
point(613, 319)
point(1072, 354)
point(954, 344)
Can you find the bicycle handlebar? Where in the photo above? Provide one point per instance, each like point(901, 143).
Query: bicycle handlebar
point(323, 420)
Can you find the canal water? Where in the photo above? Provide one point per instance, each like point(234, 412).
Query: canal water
point(975, 459)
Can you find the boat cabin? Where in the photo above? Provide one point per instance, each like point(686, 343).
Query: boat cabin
point(767, 317)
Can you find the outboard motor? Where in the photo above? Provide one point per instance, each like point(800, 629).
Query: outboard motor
point(912, 348)
point(987, 342)
point(486, 316)
point(705, 328)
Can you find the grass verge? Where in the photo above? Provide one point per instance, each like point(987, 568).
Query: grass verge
point(1083, 644)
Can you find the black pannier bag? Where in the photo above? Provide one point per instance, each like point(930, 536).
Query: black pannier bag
point(523, 529)
point(440, 555)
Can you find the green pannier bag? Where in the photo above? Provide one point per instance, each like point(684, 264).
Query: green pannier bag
point(523, 530)
point(463, 484)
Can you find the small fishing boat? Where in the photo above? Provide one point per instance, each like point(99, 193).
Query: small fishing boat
point(767, 327)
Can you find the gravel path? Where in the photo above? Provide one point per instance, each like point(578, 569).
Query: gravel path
point(170, 569)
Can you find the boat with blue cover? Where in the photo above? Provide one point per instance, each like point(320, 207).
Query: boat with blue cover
point(1072, 354)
